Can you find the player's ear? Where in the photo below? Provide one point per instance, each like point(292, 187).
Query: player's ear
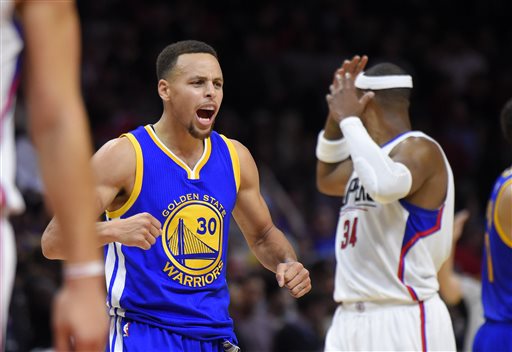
point(371, 108)
point(163, 90)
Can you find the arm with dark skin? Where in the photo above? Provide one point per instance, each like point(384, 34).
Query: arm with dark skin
point(422, 157)
point(449, 281)
point(331, 178)
point(503, 216)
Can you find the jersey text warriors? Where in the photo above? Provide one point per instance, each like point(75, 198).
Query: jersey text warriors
point(179, 284)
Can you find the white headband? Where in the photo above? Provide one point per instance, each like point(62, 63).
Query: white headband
point(383, 82)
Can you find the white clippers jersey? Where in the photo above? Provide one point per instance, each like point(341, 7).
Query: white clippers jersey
point(10, 48)
point(390, 252)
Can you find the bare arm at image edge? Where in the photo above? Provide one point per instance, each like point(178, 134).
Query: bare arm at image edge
point(58, 125)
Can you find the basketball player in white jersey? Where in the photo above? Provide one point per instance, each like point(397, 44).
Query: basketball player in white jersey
point(395, 224)
point(58, 124)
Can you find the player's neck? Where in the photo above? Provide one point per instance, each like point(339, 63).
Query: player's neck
point(188, 148)
point(388, 127)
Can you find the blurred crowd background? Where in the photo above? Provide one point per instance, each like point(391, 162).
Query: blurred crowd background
point(278, 58)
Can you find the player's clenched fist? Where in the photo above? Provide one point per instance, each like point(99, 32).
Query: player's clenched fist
point(140, 230)
point(294, 277)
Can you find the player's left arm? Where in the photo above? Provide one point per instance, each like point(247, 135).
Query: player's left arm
point(266, 241)
point(450, 287)
point(414, 170)
point(59, 127)
point(58, 119)
point(429, 176)
point(503, 213)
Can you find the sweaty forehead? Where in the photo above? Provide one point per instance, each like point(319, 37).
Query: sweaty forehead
point(198, 64)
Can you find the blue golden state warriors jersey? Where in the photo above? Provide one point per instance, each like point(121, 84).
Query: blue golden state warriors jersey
point(496, 272)
point(180, 283)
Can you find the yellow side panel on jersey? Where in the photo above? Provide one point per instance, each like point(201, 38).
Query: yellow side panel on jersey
point(506, 238)
point(490, 271)
point(139, 171)
point(234, 159)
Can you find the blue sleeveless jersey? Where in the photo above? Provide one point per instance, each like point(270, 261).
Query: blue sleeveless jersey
point(180, 283)
point(497, 259)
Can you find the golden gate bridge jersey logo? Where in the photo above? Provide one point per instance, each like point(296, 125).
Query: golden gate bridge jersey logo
point(186, 246)
point(192, 238)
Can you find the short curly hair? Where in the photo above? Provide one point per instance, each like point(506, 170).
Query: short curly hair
point(167, 58)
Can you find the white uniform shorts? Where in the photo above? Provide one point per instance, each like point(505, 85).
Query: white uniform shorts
point(368, 326)
point(7, 271)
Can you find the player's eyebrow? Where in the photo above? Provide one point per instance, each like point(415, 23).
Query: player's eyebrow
point(204, 78)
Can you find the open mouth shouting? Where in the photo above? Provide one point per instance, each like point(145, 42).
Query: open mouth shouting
point(205, 115)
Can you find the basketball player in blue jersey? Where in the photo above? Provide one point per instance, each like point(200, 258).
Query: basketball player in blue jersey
point(496, 333)
point(396, 222)
point(169, 190)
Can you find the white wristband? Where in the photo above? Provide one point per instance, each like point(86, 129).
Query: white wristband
point(81, 270)
point(331, 151)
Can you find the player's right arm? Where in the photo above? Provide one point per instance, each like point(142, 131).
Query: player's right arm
point(332, 177)
point(502, 216)
point(449, 280)
point(114, 169)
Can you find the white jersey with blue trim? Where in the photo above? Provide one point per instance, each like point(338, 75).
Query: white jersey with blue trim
point(390, 252)
point(10, 49)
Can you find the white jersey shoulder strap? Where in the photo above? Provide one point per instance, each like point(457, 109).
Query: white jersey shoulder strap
point(388, 146)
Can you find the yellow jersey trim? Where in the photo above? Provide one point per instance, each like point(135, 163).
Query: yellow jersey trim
point(234, 159)
point(506, 238)
point(204, 158)
point(192, 174)
point(490, 270)
point(137, 186)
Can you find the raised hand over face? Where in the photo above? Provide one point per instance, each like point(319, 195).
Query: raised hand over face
point(343, 99)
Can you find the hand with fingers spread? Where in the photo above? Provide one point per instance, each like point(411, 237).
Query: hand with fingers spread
point(140, 230)
point(294, 277)
point(343, 99)
point(354, 67)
